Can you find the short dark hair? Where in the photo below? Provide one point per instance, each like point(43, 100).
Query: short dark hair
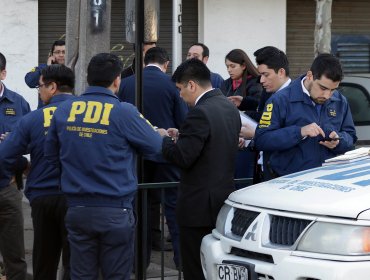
point(192, 69)
point(273, 58)
point(204, 47)
point(59, 74)
point(156, 55)
point(57, 43)
point(2, 62)
point(327, 65)
point(103, 68)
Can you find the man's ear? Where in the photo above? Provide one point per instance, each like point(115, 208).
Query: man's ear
point(53, 87)
point(281, 72)
point(192, 86)
point(2, 75)
point(165, 66)
point(309, 75)
point(117, 82)
point(205, 59)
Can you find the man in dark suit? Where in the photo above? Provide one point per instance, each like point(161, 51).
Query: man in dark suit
point(205, 148)
point(164, 108)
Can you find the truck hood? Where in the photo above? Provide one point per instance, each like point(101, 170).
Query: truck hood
point(341, 190)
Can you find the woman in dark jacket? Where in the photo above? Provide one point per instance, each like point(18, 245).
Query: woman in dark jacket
point(243, 81)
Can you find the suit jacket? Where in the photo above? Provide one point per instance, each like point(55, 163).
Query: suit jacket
point(163, 106)
point(205, 151)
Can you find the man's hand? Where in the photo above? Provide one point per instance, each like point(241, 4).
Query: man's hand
point(247, 131)
point(331, 144)
point(51, 60)
point(241, 143)
point(173, 133)
point(162, 132)
point(312, 130)
point(3, 136)
point(236, 100)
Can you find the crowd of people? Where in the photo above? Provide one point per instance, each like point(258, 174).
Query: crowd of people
point(81, 178)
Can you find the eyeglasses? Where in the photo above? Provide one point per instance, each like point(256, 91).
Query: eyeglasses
point(41, 85)
point(59, 52)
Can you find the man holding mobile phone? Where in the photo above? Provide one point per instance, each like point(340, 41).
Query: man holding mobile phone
point(308, 122)
point(56, 56)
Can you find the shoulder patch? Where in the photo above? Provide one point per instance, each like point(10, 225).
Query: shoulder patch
point(265, 120)
point(33, 69)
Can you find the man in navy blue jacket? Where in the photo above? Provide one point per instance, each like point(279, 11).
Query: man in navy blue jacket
point(48, 203)
point(273, 66)
point(308, 122)
point(56, 56)
point(95, 138)
point(12, 107)
point(163, 107)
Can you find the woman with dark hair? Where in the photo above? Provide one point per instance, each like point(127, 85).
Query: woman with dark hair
point(243, 81)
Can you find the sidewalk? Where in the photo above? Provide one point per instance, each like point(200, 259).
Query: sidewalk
point(153, 272)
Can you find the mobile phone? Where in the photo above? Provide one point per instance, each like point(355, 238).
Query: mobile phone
point(330, 139)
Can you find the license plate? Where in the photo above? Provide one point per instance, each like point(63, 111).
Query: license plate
point(231, 272)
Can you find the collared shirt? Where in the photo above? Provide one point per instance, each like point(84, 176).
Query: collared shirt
point(304, 88)
point(200, 96)
point(307, 92)
point(155, 65)
point(287, 83)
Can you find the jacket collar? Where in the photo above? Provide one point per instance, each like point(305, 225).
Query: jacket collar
point(99, 90)
point(297, 94)
point(208, 94)
point(152, 67)
point(60, 97)
point(7, 94)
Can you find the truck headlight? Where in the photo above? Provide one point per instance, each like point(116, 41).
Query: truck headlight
point(337, 239)
point(223, 221)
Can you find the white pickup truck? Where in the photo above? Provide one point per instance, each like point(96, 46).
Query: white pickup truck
point(309, 225)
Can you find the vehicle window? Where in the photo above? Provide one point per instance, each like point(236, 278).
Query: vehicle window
point(359, 102)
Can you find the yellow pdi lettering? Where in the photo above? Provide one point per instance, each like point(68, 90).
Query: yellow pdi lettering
point(93, 112)
point(48, 115)
point(106, 113)
point(78, 107)
point(265, 120)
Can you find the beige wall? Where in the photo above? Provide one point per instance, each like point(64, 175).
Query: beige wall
point(247, 24)
point(19, 44)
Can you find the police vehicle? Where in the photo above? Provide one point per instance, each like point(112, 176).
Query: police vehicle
point(310, 225)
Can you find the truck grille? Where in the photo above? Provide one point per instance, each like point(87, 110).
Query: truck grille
point(285, 231)
point(252, 255)
point(242, 220)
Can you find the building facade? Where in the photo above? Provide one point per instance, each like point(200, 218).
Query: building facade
point(29, 27)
